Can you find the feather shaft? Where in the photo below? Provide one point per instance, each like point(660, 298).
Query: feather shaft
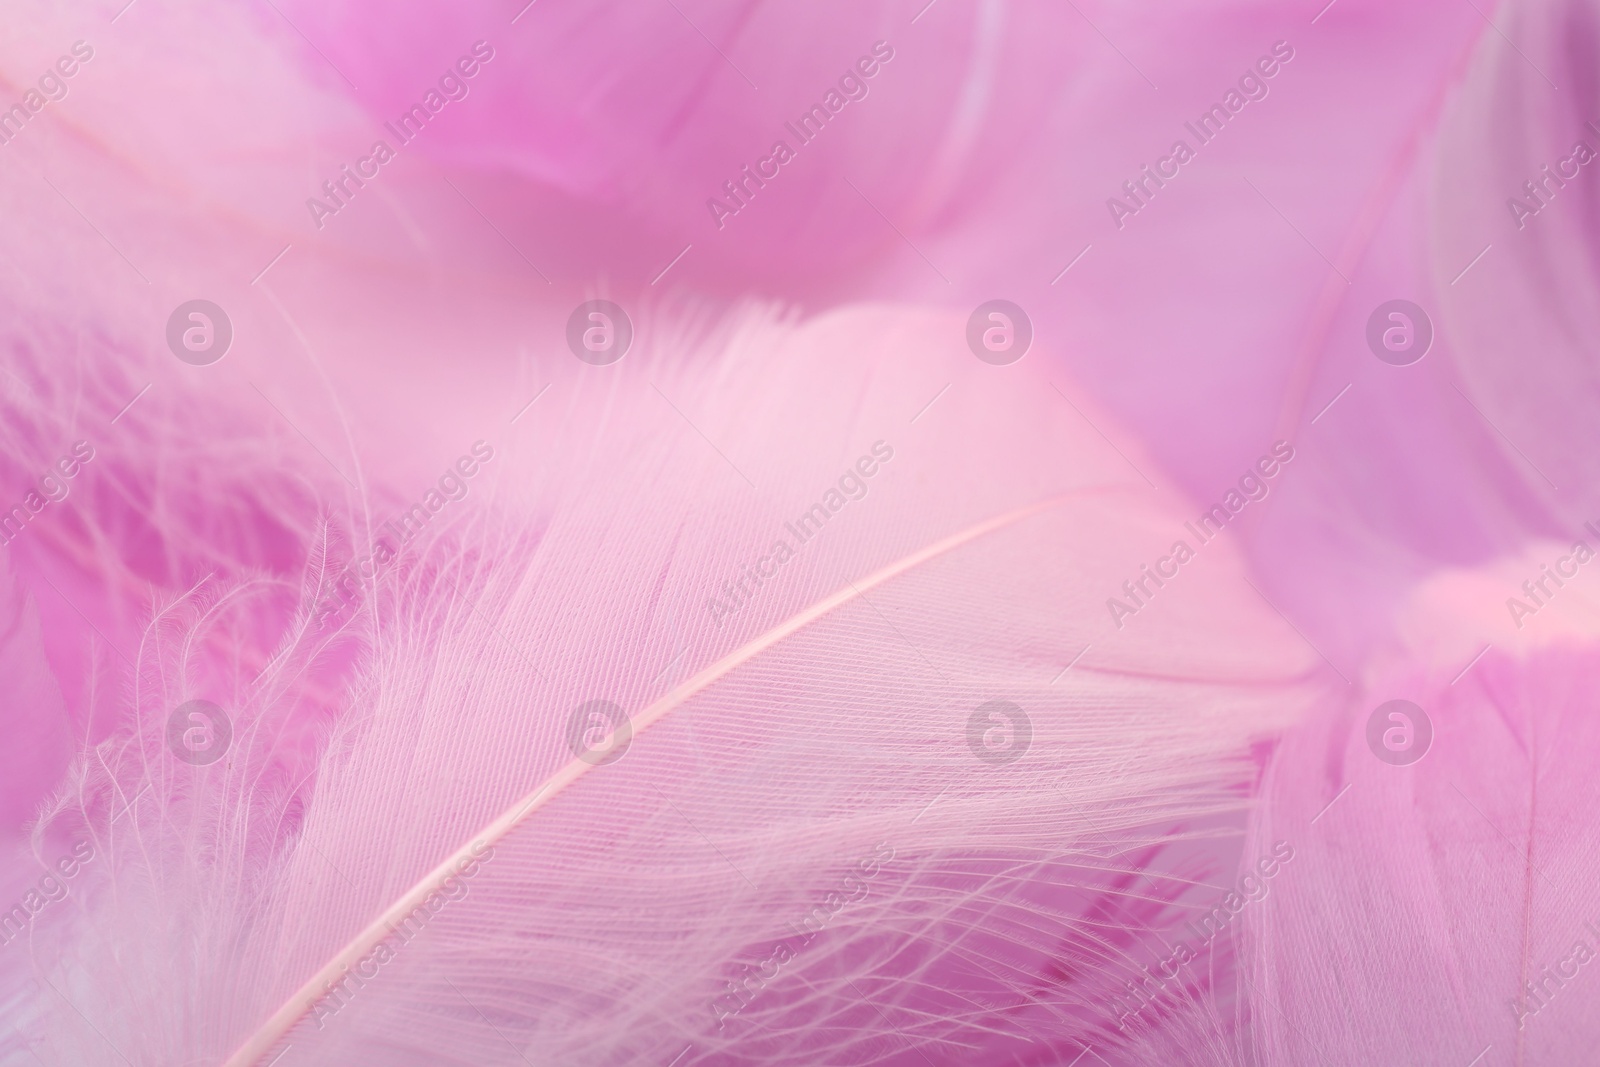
point(267, 1036)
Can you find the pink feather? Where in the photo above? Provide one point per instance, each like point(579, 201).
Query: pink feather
point(1437, 908)
point(825, 717)
point(961, 773)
